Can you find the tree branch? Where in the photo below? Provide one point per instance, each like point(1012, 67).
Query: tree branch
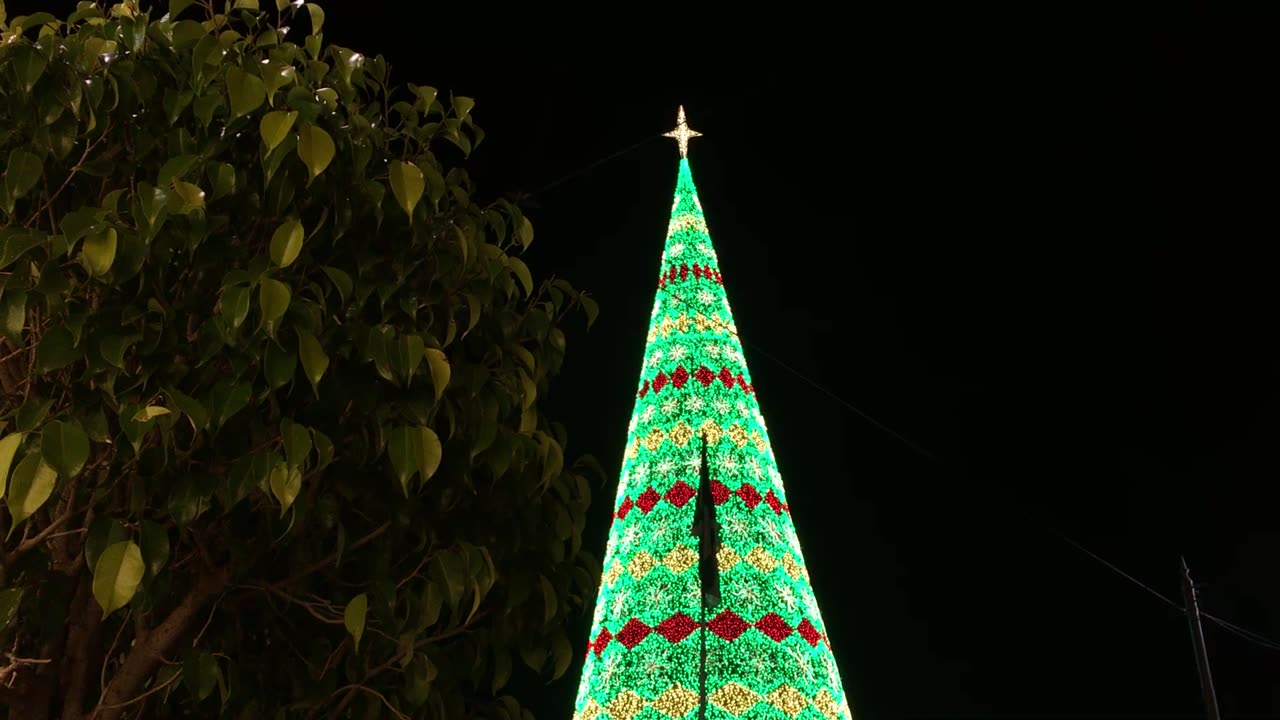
point(147, 654)
point(83, 636)
point(331, 557)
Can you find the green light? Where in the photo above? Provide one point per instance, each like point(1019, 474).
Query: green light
point(768, 655)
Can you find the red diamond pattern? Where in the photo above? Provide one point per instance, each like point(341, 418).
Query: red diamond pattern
point(749, 495)
point(704, 375)
point(660, 381)
point(602, 640)
point(680, 493)
point(774, 626)
point(726, 377)
point(809, 632)
point(677, 627)
point(648, 499)
point(728, 625)
point(719, 492)
point(633, 633)
point(644, 389)
point(679, 377)
point(773, 502)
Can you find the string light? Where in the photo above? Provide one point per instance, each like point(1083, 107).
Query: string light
point(768, 654)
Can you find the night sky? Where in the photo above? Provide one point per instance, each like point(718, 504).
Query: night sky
point(1040, 250)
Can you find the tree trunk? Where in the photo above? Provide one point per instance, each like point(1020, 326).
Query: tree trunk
point(146, 654)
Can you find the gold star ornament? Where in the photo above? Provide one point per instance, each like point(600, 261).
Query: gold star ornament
point(682, 133)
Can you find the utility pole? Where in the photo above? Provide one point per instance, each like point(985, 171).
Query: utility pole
point(1197, 641)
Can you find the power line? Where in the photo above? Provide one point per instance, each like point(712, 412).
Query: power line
point(1248, 635)
point(814, 383)
point(1122, 573)
point(1232, 628)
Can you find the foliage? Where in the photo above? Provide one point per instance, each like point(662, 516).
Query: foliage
point(271, 444)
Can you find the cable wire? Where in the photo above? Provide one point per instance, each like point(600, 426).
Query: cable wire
point(813, 383)
point(1248, 635)
point(1232, 628)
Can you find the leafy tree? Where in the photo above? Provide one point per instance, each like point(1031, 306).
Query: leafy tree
point(270, 441)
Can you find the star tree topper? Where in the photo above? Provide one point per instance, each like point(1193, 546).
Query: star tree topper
point(682, 133)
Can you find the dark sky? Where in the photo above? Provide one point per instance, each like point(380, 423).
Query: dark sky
point(1041, 247)
point(1044, 253)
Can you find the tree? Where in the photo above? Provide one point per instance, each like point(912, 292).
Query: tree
point(271, 442)
point(739, 622)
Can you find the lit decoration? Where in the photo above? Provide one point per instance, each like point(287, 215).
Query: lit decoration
point(768, 655)
point(682, 134)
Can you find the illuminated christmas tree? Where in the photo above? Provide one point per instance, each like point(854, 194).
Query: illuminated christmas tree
point(740, 627)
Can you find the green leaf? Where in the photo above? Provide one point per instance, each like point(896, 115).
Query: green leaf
point(435, 182)
point(341, 281)
point(562, 653)
point(431, 453)
point(65, 447)
point(22, 172)
point(501, 668)
point(14, 243)
point(153, 200)
point(57, 350)
point(548, 600)
point(473, 313)
point(525, 233)
point(316, 148)
point(402, 448)
point(275, 125)
point(8, 447)
point(521, 272)
point(440, 371)
point(452, 573)
point(103, 532)
point(317, 17)
point(590, 307)
point(10, 599)
point(13, 315)
point(200, 674)
point(155, 546)
point(286, 242)
point(223, 178)
point(176, 168)
point(186, 197)
point(353, 617)
point(273, 300)
point(462, 106)
point(286, 483)
point(29, 66)
point(246, 91)
point(235, 304)
point(113, 348)
point(177, 6)
point(149, 413)
point(31, 485)
point(99, 251)
point(410, 350)
point(429, 611)
point(407, 184)
point(324, 448)
point(190, 407)
point(297, 442)
point(280, 365)
point(314, 359)
point(32, 413)
point(116, 576)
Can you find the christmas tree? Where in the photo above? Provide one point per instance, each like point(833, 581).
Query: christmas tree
point(705, 605)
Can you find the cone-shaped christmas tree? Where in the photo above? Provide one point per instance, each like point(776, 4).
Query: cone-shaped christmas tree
point(705, 592)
